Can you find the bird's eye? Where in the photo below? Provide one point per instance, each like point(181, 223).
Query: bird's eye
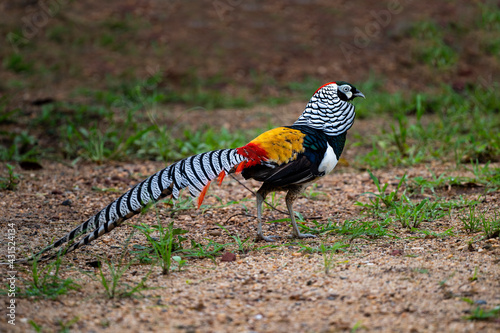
point(345, 88)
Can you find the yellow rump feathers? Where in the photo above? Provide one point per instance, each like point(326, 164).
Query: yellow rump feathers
point(281, 144)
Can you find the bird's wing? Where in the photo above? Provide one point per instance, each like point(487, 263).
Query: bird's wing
point(286, 156)
point(298, 171)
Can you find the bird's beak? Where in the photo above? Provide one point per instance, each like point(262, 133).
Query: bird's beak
point(359, 94)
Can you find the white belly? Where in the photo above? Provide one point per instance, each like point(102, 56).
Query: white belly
point(329, 161)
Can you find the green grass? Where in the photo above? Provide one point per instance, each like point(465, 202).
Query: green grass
point(484, 315)
point(200, 251)
point(411, 214)
point(11, 181)
point(399, 206)
point(328, 254)
point(119, 123)
point(165, 244)
point(111, 276)
point(16, 63)
point(489, 23)
point(369, 230)
point(470, 221)
point(46, 281)
point(350, 229)
point(244, 246)
point(430, 46)
point(475, 221)
point(64, 326)
point(460, 128)
point(162, 242)
point(489, 16)
point(491, 225)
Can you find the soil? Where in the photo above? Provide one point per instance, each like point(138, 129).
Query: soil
point(405, 283)
point(408, 283)
point(250, 48)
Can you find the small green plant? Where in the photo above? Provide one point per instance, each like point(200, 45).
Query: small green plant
point(113, 285)
point(180, 262)
point(16, 63)
point(354, 229)
point(275, 201)
point(442, 283)
point(400, 137)
point(357, 326)
point(46, 281)
point(490, 16)
point(474, 276)
point(164, 244)
point(351, 229)
point(491, 226)
point(328, 254)
point(481, 314)
point(411, 215)
point(477, 221)
point(462, 202)
point(435, 182)
point(485, 175)
point(11, 181)
point(198, 250)
point(401, 208)
point(470, 221)
point(242, 244)
point(319, 228)
point(381, 201)
point(20, 147)
point(110, 275)
point(64, 327)
point(182, 204)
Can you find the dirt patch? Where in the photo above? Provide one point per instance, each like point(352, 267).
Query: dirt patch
point(408, 282)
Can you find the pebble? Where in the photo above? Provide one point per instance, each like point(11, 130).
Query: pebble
point(214, 232)
point(221, 317)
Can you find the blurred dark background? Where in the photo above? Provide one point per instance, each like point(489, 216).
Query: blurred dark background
point(253, 49)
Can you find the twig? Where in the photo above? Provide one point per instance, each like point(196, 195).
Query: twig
point(240, 214)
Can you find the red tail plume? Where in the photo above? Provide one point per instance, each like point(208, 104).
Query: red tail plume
point(202, 194)
point(221, 177)
point(240, 167)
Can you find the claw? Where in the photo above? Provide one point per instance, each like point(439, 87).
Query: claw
point(269, 239)
point(302, 236)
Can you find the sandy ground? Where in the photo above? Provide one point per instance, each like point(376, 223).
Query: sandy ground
point(410, 283)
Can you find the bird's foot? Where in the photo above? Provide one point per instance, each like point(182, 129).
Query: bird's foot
point(267, 238)
point(302, 236)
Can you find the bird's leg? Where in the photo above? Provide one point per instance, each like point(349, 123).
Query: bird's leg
point(290, 198)
point(261, 196)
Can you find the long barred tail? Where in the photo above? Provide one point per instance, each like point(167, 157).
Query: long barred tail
point(194, 172)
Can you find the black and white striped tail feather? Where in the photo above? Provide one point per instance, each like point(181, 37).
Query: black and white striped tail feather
point(194, 172)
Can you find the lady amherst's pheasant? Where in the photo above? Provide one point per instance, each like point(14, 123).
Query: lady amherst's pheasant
point(286, 158)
